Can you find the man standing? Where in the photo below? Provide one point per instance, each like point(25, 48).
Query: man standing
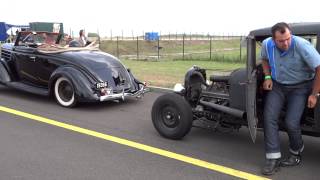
point(291, 67)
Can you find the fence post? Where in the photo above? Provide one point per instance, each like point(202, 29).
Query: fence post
point(137, 47)
point(159, 48)
point(98, 36)
point(118, 47)
point(210, 46)
point(183, 47)
point(122, 34)
point(240, 48)
point(132, 34)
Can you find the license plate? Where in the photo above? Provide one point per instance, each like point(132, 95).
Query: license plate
point(102, 85)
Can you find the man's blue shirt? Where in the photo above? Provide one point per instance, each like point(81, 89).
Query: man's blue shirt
point(293, 66)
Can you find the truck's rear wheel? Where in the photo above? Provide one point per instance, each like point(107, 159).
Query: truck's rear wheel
point(172, 116)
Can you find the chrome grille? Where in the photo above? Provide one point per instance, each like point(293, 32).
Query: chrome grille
point(5, 55)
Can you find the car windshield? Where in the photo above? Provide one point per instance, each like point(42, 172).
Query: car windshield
point(49, 42)
point(37, 38)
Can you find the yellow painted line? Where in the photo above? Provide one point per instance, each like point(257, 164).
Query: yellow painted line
point(161, 152)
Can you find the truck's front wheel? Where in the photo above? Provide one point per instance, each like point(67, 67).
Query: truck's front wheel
point(172, 116)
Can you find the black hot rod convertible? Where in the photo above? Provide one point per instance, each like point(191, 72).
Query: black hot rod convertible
point(43, 63)
point(228, 102)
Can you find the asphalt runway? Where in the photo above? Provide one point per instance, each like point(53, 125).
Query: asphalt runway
point(40, 151)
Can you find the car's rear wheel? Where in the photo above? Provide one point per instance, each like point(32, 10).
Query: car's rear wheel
point(172, 116)
point(64, 92)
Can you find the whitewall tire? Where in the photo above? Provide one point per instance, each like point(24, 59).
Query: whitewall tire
point(64, 92)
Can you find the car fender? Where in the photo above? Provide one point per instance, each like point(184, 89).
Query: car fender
point(83, 86)
point(135, 82)
point(4, 74)
point(194, 79)
point(194, 73)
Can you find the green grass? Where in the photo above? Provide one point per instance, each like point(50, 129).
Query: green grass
point(167, 73)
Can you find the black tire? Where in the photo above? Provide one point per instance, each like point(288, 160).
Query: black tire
point(64, 92)
point(316, 115)
point(172, 116)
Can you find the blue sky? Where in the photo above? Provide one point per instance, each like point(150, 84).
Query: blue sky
point(219, 17)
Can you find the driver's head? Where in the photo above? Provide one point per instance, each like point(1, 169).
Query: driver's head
point(281, 34)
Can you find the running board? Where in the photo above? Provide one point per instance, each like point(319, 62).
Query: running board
point(28, 88)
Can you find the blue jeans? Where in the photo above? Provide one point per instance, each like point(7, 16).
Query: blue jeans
point(294, 97)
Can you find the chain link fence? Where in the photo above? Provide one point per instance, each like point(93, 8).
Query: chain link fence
point(177, 47)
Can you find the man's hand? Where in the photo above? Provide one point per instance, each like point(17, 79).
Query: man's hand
point(312, 101)
point(267, 84)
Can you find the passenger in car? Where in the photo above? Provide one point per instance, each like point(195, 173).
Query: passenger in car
point(83, 39)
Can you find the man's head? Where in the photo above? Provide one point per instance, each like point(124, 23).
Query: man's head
point(281, 34)
point(81, 33)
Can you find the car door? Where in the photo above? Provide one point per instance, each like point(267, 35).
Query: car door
point(251, 87)
point(24, 59)
point(45, 66)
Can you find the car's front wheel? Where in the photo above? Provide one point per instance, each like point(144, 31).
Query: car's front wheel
point(172, 116)
point(64, 92)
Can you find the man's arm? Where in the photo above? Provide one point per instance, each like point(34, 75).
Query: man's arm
point(312, 100)
point(312, 58)
point(266, 67)
point(316, 85)
point(267, 83)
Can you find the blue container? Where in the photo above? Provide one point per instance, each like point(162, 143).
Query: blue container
point(151, 36)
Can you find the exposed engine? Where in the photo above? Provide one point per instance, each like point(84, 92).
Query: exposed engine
point(208, 100)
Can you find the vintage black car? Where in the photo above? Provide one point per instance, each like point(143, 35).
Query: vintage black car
point(228, 102)
point(44, 63)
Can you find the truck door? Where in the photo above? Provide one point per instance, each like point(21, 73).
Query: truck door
point(251, 87)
